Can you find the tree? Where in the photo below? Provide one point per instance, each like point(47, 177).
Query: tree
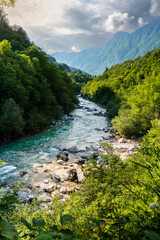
point(11, 118)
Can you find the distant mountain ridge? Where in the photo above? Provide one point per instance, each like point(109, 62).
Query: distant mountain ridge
point(121, 47)
point(63, 66)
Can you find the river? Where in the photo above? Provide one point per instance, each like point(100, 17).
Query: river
point(22, 155)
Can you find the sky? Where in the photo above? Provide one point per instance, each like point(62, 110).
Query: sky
point(74, 25)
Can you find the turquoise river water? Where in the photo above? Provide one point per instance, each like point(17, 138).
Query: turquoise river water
point(22, 155)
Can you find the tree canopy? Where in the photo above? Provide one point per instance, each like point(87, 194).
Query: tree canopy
point(40, 90)
point(131, 93)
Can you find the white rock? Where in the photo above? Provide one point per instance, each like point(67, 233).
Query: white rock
point(80, 175)
point(46, 181)
point(121, 140)
point(63, 190)
point(50, 188)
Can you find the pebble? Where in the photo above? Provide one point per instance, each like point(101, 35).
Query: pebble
point(46, 181)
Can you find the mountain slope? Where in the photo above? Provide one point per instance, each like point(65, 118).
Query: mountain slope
point(121, 47)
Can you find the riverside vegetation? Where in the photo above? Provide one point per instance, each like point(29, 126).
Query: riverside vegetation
point(118, 199)
point(33, 91)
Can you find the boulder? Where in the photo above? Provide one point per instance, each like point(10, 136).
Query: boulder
point(73, 189)
point(121, 140)
point(80, 175)
point(63, 190)
point(53, 194)
point(73, 149)
point(44, 198)
point(70, 118)
point(46, 181)
point(105, 129)
point(63, 149)
point(71, 175)
point(22, 173)
point(50, 188)
point(111, 136)
point(63, 155)
point(100, 114)
point(98, 129)
point(95, 154)
point(87, 155)
point(80, 161)
point(30, 198)
point(54, 123)
point(61, 162)
point(40, 165)
point(55, 178)
point(67, 118)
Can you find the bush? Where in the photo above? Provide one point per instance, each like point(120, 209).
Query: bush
point(126, 124)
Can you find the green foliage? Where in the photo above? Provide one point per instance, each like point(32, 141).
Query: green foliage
point(11, 119)
point(33, 91)
point(131, 91)
point(15, 34)
point(118, 200)
point(80, 79)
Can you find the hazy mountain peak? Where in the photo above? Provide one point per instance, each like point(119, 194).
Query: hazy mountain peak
point(121, 47)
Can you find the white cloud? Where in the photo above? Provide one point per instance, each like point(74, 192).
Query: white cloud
point(155, 8)
point(74, 49)
point(141, 22)
point(62, 24)
point(117, 22)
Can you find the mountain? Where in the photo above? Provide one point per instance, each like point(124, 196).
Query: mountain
point(63, 66)
point(121, 47)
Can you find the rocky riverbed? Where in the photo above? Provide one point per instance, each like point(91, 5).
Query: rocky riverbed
point(52, 163)
point(66, 174)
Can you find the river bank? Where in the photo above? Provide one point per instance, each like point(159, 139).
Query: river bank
point(53, 163)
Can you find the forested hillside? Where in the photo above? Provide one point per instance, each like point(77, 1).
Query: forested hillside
point(108, 198)
point(32, 90)
point(130, 92)
point(121, 47)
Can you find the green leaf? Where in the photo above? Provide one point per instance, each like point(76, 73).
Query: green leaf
point(54, 228)
point(66, 219)
point(26, 223)
point(147, 167)
point(67, 235)
point(152, 235)
point(46, 236)
point(94, 220)
point(5, 210)
point(7, 230)
point(38, 222)
point(91, 226)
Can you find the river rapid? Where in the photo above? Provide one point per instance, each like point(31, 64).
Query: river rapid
point(24, 154)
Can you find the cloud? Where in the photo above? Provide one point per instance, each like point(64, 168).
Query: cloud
point(155, 8)
point(117, 22)
point(61, 25)
point(74, 49)
point(141, 22)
